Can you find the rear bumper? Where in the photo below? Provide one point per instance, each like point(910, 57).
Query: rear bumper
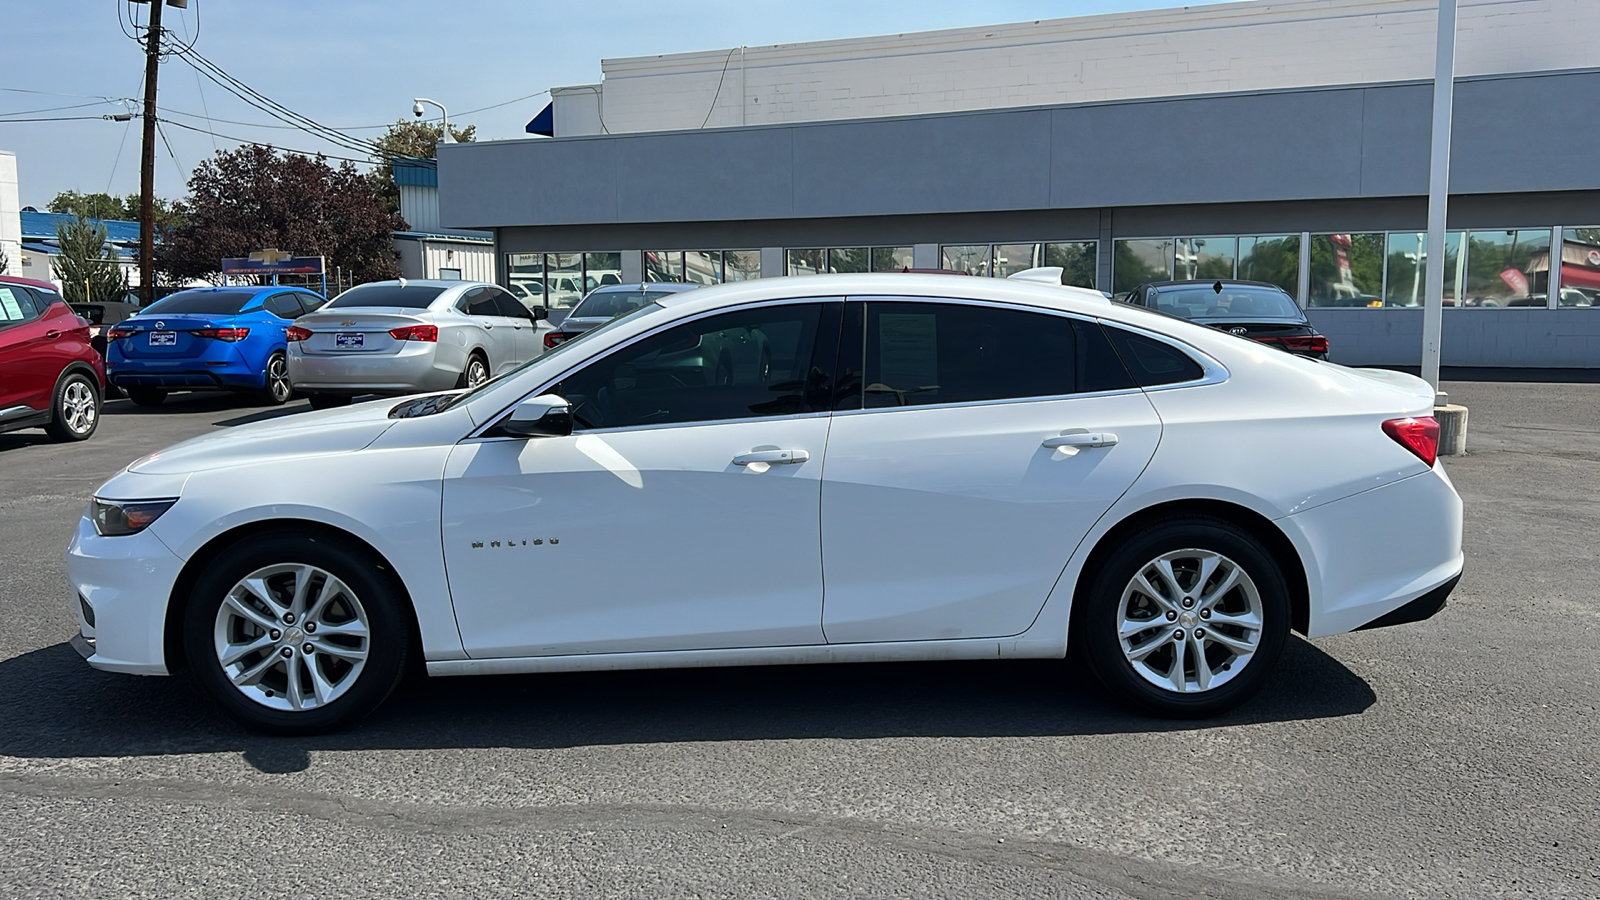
point(420, 368)
point(221, 367)
point(1424, 607)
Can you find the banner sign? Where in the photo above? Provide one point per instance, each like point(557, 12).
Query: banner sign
point(273, 262)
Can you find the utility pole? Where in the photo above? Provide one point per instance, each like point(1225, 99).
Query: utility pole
point(147, 160)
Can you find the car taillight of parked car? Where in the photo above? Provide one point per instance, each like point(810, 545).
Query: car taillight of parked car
point(415, 333)
point(1420, 435)
point(556, 338)
point(1314, 343)
point(117, 334)
point(230, 335)
point(296, 333)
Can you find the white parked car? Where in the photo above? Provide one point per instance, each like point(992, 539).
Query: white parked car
point(406, 337)
point(921, 467)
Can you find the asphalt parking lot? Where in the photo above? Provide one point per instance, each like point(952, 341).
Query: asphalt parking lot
point(1458, 757)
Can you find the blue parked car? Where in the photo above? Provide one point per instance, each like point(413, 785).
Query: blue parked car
point(208, 339)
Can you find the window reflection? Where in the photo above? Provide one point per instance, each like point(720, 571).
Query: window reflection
point(600, 269)
point(891, 259)
point(806, 262)
point(1135, 262)
point(1500, 269)
point(970, 258)
point(663, 265)
point(848, 260)
point(741, 265)
point(1346, 270)
point(1580, 267)
point(1273, 258)
point(1077, 261)
point(1407, 277)
point(702, 266)
point(1009, 259)
point(1204, 258)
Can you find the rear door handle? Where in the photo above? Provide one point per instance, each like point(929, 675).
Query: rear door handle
point(772, 457)
point(52, 334)
point(1081, 439)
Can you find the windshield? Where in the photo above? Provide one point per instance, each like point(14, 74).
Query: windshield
point(607, 304)
point(557, 350)
point(412, 296)
point(1203, 301)
point(204, 302)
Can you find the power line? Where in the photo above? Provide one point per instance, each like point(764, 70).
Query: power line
point(241, 140)
point(217, 75)
point(25, 112)
point(506, 103)
point(59, 119)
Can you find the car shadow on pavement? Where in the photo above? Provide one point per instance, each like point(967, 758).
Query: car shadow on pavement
point(55, 706)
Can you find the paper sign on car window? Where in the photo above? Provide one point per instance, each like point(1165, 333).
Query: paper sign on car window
point(908, 350)
point(8, 303)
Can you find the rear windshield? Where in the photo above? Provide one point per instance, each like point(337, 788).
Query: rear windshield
point(608, 304)
point(411, 296)
point(211, 303)
point(1203, 301)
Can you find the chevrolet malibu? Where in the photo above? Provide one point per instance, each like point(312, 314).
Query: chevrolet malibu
point(927, 467)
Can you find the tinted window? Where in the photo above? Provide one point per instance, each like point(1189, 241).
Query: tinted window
point(310, 302)
point(507, 305)
point(923, 353)
point(606, 304)
point(43, 299)
point(412, 296)
point(284, 306)
point(1204, 301)
point(202, 302)
point(736, 365)
point(480, 302)
point(1152, 362)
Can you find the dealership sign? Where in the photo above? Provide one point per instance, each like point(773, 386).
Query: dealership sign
point(273, 262)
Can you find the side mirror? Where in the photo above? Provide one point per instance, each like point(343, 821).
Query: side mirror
point(540, 313)
point(546, 415)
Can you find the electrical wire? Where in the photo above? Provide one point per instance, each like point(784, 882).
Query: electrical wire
point(719, 86)
point(229, 137)
point(217, 75)
point(506, 103)
point(26, 112)
point(58, 119)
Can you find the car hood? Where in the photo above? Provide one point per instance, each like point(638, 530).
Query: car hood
point(305, 434)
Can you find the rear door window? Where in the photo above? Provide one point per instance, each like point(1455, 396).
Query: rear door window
point(480, 302)
point(1151, 362)
point(16, 305)
point(507, 304)
point(284, 306)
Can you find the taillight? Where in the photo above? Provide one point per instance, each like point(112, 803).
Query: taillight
point(415, 333)
point(297, 333)
point(553, 338)
point(222, 334)
point(1419, 435)
point(1313, 343)
point(117, 334)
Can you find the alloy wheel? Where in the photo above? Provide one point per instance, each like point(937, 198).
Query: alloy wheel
point(278, 379)
point(1190, 621)
point(477, 372)
point(78, 407)
point(292, 637)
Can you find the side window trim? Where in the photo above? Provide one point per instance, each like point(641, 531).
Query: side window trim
point(1212, 371)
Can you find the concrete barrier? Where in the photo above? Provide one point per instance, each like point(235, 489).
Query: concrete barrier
point(1452, 428)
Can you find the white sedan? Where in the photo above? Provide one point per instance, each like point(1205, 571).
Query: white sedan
point(407, 337)
point(923, 467)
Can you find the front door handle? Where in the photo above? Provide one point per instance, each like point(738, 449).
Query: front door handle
point(1078, 438)
point(772, 457)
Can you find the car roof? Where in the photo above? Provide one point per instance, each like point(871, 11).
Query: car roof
point(1207, 282)
point(427, 282)
point(30, 282)
point(244, 288)
point(665, 287)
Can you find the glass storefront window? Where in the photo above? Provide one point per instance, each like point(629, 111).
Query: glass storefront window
point(1499, 269)
point(806, 262)
point(1204, 258)
point(1346, 270)
point(1009, 259)
point(602, 269)
point(663, 265)
point(891, 259)
point(1273, 258)
point(702, 266)
point(849, 259)
point(970, 258)
point(741, 265)
point(1135, 262)
point(1077, 261)
point(563, 280)
point(1407, 276)
point(1580, 267)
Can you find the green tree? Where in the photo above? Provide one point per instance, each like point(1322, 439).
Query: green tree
point(101, 205)
point(414, 139)
point(5, 261)
point(87, 269)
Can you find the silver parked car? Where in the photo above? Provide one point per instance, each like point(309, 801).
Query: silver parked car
point(606, 302)
point(406, 337)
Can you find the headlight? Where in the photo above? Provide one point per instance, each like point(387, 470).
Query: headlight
point(118, 517)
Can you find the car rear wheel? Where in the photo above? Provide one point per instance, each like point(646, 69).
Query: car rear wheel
point(1186, 619)
point(297, 635)
point(329, 401)
point(276, 390)
point(476, 372)
point(146, 396)
point(76, 410)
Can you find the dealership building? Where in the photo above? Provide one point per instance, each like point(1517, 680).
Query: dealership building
point(1276, 140)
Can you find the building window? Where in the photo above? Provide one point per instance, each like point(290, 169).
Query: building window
point(602, 268)
point(559, 280)
point(741, 265)
point(1077, 261)
point(663, 265)
point(805, 262)
point(1204, 258)
point(972, 259)
point(1009, 259)
point(449, 274)
point(1346, 270)
point(1406, 279)
point(891, 259)
point(1135, 262)
point(1580, 267)
point(848, 260)
point(816, 261)
point(1273, 258)
point(1507, 268)
point(702, 266)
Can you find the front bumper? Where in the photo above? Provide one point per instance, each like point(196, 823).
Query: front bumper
point(126, 583)
point(421, 367)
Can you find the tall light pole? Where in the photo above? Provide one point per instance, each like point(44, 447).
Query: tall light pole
point(1439, 191)
point(416, 110)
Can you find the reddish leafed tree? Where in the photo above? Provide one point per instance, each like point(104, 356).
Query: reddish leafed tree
point(244, 200)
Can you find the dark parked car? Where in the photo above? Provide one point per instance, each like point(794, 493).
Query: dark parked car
point(50, 377)
point(1251, 309)
point(605, 303)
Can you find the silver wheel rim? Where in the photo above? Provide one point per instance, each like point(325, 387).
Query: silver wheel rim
point(78, 409)
point(292, 637)
point(1189, 621)
point(278, 378)
point(477, 372)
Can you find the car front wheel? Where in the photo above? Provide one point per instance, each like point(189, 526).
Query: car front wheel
point(1187, 619)
point(293, 634)
point(76, 411)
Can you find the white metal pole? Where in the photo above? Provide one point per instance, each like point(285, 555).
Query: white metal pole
point(1438, 190)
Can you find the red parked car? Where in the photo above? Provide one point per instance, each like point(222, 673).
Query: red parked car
point(50, 376)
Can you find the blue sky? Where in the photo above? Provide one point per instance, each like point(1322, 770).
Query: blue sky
point(353, 63)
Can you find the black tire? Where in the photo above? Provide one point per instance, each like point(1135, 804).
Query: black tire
point(75, 408)
point(380, 595)
point(146, 396)
point(1096, 622)
point(276, 390)
point(329, 401)
point(468, 377)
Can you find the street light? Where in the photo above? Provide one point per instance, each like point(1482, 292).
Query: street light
point(416, 110)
